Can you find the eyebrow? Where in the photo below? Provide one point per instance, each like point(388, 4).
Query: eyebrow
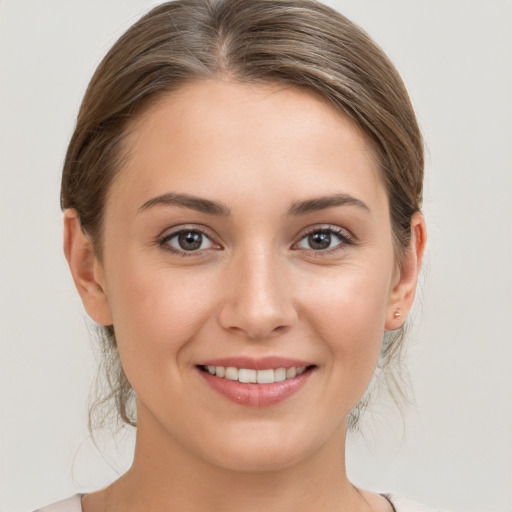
point(324, 202)
point(217, 208)
point(187, 201)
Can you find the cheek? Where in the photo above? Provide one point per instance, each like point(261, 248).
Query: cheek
point(348, 312)
point(157, 311)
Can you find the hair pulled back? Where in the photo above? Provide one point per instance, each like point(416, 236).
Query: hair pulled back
point(299, 43)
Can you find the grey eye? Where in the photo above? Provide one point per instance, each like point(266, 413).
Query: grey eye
point(189, 241)
point(320, 240)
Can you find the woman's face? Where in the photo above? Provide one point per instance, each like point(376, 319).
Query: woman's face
point(247, 229)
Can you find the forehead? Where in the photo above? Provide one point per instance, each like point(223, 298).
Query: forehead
point(223, 134)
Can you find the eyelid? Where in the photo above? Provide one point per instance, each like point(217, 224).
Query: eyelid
point(346, 238)
point(170, 233)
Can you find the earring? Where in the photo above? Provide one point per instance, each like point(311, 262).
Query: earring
point(397, 314)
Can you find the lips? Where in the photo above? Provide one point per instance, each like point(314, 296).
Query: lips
point(256, 382)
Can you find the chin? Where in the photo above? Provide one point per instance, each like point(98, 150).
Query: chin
point(261, 461)
point(261, 452)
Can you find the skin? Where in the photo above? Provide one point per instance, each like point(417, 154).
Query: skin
point(255, 287)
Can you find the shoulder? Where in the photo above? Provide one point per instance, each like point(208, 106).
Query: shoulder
point(72, 504)
point(402, 504)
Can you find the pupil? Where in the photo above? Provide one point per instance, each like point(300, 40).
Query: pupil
point(319, 240)
point(190, 240)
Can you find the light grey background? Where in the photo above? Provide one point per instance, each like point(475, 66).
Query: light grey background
point(455, 57)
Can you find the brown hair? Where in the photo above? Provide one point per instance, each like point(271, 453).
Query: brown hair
point(300, 43)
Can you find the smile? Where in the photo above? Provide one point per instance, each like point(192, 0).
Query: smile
point(256, 382)
point(251, 376)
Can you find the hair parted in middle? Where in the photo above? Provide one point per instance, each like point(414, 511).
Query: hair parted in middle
point(295, 43)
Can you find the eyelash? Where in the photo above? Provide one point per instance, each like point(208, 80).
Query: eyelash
point(164, 241)
point(341, 234)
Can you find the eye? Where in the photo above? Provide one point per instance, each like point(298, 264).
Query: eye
point(323, 239)
point(187, 241)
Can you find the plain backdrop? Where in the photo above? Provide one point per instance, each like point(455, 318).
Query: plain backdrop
point(454, 448)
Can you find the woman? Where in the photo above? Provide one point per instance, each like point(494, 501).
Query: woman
point(241, 202)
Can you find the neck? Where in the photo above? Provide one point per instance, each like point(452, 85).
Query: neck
point(165, 476)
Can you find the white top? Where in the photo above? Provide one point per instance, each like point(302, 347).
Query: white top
point(73, 504)
point(400, 504)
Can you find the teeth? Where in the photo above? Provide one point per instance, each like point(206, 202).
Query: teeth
point(291, 372)
point(247, 375)
point(280, 375)
point(265, 377)
point(255, 376)
point(231, 373)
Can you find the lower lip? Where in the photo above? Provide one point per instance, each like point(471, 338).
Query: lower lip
point(256, 395)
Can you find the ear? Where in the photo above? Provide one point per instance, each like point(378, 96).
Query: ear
point(404, 286)
point(85, 269)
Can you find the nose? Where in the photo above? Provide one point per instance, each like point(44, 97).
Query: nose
point(258, 297)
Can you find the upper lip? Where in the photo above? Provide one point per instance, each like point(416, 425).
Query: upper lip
point(259, 363)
